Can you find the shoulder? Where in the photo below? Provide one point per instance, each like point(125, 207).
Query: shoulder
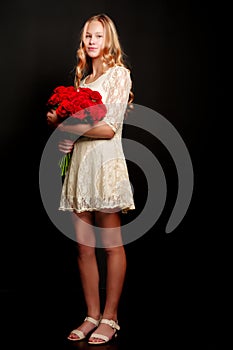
point(120, 72)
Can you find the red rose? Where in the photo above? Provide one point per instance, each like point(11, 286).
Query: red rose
point(98, 112)
point(95, 96)
point(65, 108)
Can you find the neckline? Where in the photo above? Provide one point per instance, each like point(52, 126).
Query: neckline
point(84, 80)
point(94, 81)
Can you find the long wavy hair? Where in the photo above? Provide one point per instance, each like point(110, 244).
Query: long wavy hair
point(112, 53)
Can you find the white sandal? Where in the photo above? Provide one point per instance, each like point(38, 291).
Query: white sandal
point(104, 338)
point(80, 333)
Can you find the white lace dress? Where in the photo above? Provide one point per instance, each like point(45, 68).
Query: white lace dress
point(97, 177)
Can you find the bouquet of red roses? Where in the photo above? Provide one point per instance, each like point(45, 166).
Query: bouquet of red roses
point(75, 103)
point(81, 105)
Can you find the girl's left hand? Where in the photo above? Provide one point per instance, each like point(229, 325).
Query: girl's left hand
point(66, 146)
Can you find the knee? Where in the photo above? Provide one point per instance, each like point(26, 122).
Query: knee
point(85, 251)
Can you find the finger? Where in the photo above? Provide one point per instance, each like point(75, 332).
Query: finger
point(66, 142)
point(65, 148)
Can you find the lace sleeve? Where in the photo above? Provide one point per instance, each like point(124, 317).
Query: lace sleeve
point(118, 85)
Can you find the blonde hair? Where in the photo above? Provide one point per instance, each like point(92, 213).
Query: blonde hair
point(112, 54)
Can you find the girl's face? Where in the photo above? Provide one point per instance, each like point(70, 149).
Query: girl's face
point(94, 39)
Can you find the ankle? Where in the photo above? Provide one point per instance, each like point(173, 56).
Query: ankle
point(96, 316)
point(110, 316)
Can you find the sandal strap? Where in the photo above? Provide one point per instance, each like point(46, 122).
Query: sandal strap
point(92, 320)
point(79, 333)
point(99, 336)
point(111, 323)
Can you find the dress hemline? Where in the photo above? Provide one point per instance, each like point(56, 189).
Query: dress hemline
point(123, 210)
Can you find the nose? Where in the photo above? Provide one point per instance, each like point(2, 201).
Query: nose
point(91, 41)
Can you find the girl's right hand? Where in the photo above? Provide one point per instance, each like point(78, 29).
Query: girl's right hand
point(66, 146)
point(52, 118)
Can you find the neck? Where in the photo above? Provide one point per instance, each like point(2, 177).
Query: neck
point(98, 67)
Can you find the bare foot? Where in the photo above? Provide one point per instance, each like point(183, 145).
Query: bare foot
point(105, 330)
point(86, 327)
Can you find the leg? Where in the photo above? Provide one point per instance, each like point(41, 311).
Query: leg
point(109, 224)
point(88, 269)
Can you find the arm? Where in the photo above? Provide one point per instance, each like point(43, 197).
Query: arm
point(118, 86)
point(100, 130)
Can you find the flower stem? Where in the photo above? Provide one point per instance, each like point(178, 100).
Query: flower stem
point(64, 163)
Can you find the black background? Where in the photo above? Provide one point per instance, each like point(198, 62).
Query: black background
point(171, 277)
